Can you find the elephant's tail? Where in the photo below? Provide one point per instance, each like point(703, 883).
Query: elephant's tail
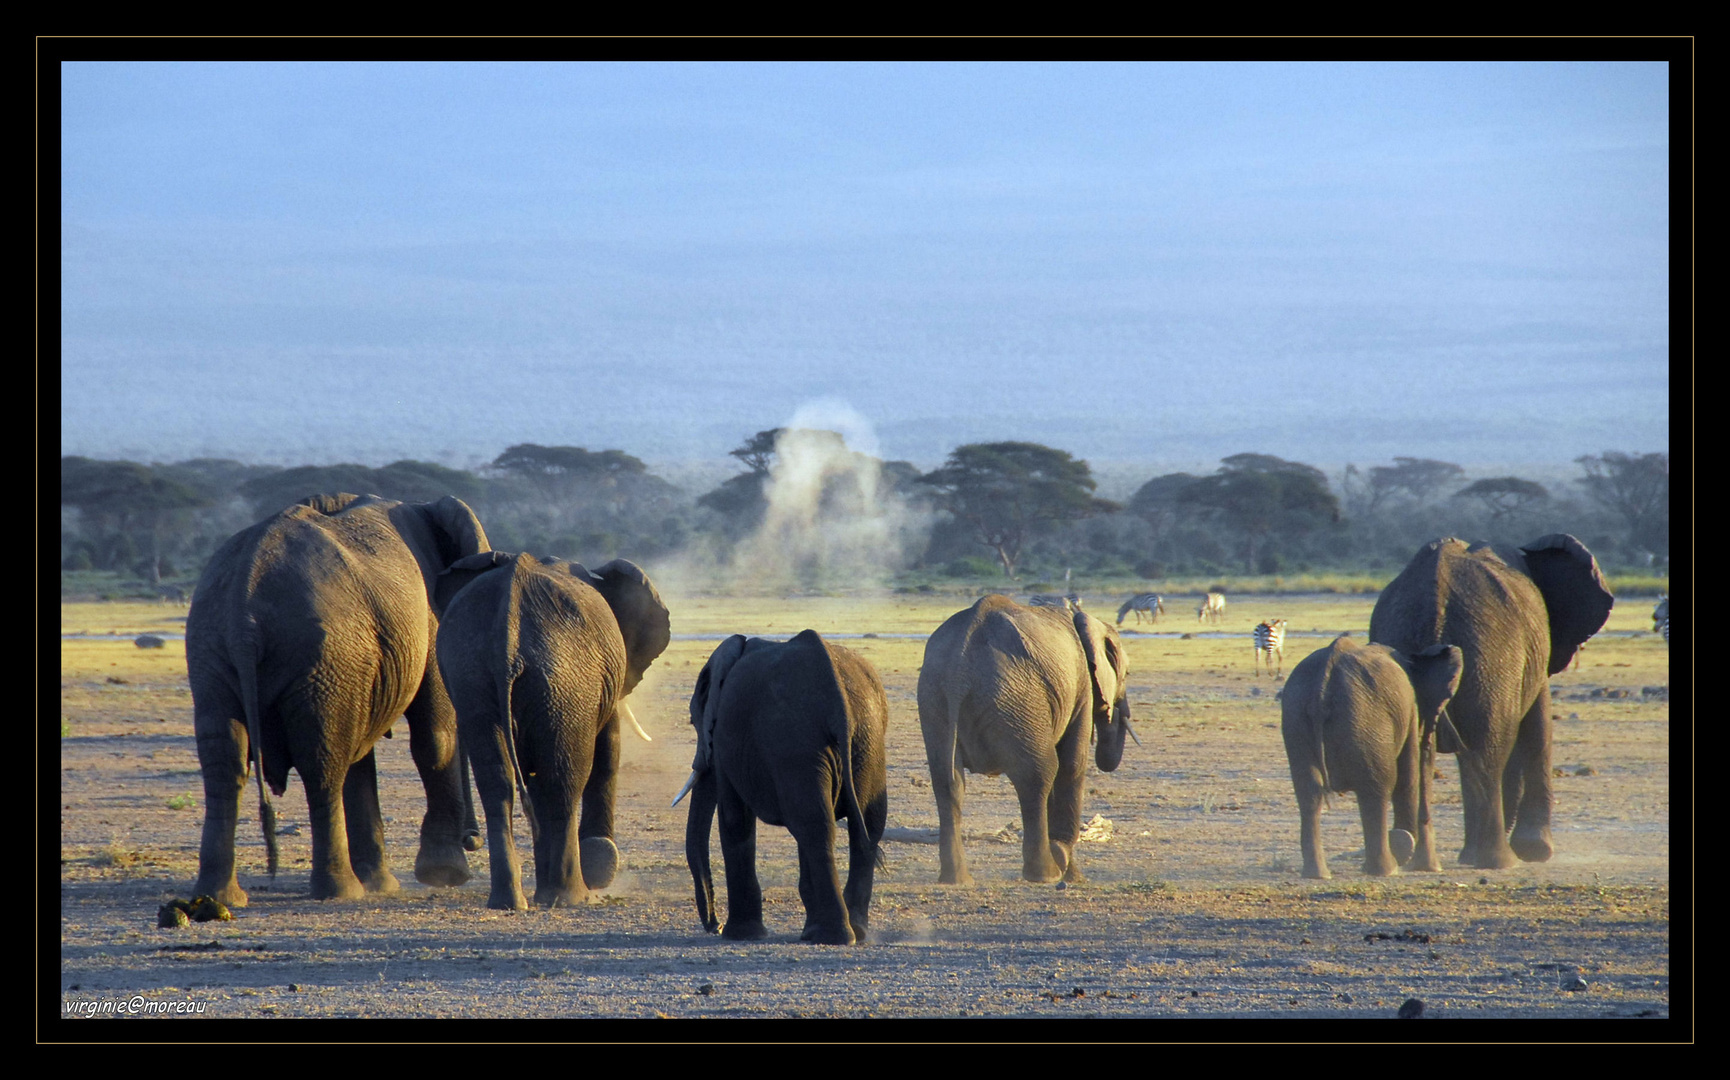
point(510, 725)
point(1322, 754)
point(246, 670)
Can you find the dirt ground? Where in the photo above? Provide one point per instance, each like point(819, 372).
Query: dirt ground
point(1194, 907)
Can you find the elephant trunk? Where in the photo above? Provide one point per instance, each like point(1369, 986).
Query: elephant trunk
point(697, 828)
point(1108, 752)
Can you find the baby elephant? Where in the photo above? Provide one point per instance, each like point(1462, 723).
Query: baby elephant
point(1362, 718)
point(793, 733)
point(538, 656)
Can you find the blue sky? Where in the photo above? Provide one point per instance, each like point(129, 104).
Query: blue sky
point(1141, 262)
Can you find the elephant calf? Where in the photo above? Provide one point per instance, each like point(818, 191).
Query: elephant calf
point(1361, 718)
point(792, 733)
point(538, 656)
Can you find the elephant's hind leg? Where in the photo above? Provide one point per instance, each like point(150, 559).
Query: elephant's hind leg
point(599, 852)
point(442, 858)
point(1530, 766)
point(811, 820)
point(738, 825)
point(365, 826)
point(222, 754)
point(498, 795)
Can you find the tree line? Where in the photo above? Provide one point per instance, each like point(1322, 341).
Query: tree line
point(1007, 509)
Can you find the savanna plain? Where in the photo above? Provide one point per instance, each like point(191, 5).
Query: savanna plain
point(1193, 904)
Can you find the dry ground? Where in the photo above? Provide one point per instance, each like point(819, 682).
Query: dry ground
point(1193, 908)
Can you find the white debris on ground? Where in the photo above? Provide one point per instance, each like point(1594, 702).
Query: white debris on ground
point(1098, 830)
point(1009, 834)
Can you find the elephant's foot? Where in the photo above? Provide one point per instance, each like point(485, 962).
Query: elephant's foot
point(600, 859)
point(1073, 875)
point(954, 877)
point(1376, 867)
point(828, 935)
point(229, 893)
point(336, 886)
point(443, 865)
point(1318, 871)
point(753, 930)
point(555, 897)
point(472, 840)
point(1490, 857)
point(379, 881)
point(1532, 844)
point(509, 898)
point(1401, 843)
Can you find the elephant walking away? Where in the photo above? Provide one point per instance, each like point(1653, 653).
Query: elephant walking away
point(1517, 615)
point(792, 733)
point(1023, 691)
point(309, 634)
point(1362, 718)
point(538, 656)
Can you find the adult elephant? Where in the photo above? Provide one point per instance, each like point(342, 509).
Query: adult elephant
point(1518, 615)
point(309, 634)
point(538, 656)
point(1021, 690)
point(793, 733)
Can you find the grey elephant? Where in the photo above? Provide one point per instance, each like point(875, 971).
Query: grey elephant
point(309, 634)
point(538, 656)
point(1518, 615)
point(1362, 718)
point(792, 733)
point(1023, 691)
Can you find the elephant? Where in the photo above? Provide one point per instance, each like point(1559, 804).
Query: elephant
point(1021, 690)
point(1362, 718)
point(793, 733)
point(538, 656)
point(1518, 615)
point(309, 634)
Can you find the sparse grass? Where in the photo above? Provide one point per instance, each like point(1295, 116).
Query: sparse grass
point(119, 857)
point(184, 801)
point(65, 727)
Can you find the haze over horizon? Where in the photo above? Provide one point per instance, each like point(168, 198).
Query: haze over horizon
point(299, 263)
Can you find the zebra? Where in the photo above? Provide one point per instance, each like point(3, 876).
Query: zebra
point(1149, 603)
point(1661, 618)
point(1213, 605)
point(1066, 601)
point(1270, 639)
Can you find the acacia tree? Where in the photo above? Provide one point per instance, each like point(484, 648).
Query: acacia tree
point(1637, 488)
point(1420, 478)
point(1258, 495)
point(1504, 495)
point(1006, 489)
point(118, 499)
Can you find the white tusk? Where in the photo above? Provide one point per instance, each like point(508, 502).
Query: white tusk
point(1131, 729)
point(686, 790)
point(626, 709)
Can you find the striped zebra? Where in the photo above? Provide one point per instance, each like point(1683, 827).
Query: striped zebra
point(1661, 618)
point(1068, 602)
point(1270, 639)
point(1212, 606)
point(1147, 603)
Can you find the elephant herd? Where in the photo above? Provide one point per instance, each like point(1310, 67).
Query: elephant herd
point(312, 631)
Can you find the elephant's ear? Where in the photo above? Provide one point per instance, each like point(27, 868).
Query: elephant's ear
point(1575, 593)
point(460, 531)
point(1104, 660)
point(705, 699)
point(1435, 674)
point(455, 577)
point(642, 616)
